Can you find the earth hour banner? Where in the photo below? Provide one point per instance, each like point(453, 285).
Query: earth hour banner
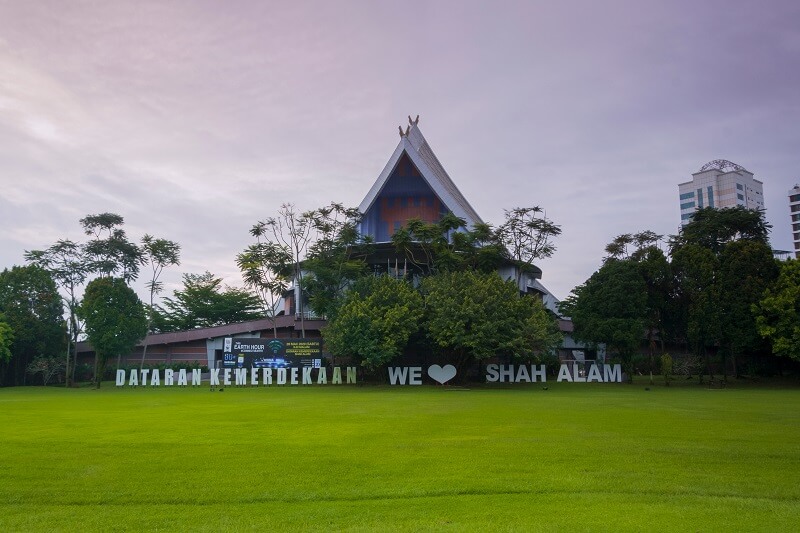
point(272, 353)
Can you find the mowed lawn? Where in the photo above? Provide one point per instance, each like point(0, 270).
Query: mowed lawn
point(594, 457)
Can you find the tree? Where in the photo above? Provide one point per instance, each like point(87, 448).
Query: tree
point(746, 270)
point(778, 313)
point(694, 269)
point(47, 367)
point(204, 303)
point(68, 264)
point(610, 308)
point(336, 259)
point(31, 304)
point(115, 320)
point(158, 254)
point(528, 236)
point(375, 322)
point(448, 246)
point(471, 316)
point(713, 228)
point(292, 231)
point(110, 251)
point(6, 339)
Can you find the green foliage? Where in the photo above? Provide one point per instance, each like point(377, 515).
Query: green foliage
point(69, 265)
point(666, 367)
point(694, 268)
point(713, 228)
point(336, 259)
point(32, 307)
point(527, 235)
point(47, 367)
point(472, 316)
point(6, 339)
point(204, 302)
point(611, 308)
point(746, 269)
point(110, 252)
point(448, 246)
point(778, 313)
point(374, 323)
point(115, 320)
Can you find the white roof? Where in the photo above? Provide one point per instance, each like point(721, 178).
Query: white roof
point(419, 151)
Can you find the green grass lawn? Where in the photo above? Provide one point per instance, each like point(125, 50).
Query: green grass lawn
point(574, 457)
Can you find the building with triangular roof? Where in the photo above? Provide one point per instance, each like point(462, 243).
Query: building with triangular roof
point(413, 184)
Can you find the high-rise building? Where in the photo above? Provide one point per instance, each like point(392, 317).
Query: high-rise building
point(720, 183)
point(794, 208)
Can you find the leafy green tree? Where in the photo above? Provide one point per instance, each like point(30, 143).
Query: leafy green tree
point(115, 320)
point(694, 269)
point(6, 338)
point(611, 308)
point(68, 264)
point(746, 269)
point(471, 316)
point(267, 270)
point(778, 313)
point(375, 322)
point(712, 228)
point(110, 251)
point(293, 232)
point(158, 254)
point(336, 259)
point(528, 236)
point(31, 304)
point(204, 302)
point(448, 246)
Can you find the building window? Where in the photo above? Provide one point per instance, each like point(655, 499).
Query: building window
point(796, 227)
point(686, 216)
point(796, 218)
point(740, 197)
point(739, 186)
point(687, 195)
point(687, 205)
point(795, 208)
point(794, 198)
point(700, 198)
point(710, 197)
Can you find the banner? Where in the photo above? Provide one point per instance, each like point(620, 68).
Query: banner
point(272, 353)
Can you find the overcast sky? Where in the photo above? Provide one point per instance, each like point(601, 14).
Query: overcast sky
point(195, 119)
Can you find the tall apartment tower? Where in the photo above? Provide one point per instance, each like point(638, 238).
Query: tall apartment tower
point(720, 183)
point(794, 208)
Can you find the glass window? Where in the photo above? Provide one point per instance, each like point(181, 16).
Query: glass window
point(687, 205)
point(794, 198)
point(739, 186)
point(795, 208)
point(796, 217)
point(700, 198)
point(710, 197)
point(687, 195)
point(739, 196)
point(686, 216)
point(796, 227)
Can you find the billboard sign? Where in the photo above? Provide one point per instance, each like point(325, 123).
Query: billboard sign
point(272, 353)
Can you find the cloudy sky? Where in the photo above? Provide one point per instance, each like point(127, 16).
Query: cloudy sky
point(195, 119)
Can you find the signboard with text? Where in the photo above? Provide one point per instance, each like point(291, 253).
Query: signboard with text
point(272, 353)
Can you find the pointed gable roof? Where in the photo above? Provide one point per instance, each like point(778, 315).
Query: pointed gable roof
point(413, 143)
